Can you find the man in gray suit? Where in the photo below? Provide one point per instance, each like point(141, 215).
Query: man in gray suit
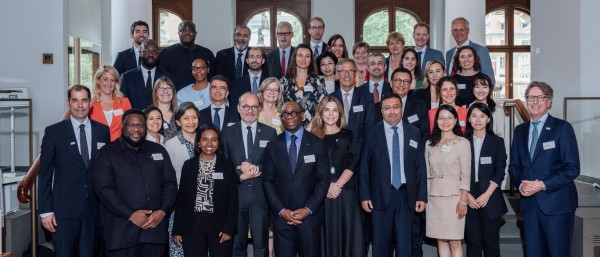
point(460, 32)
point(426, 54)
point(279, 59)
point(244, 144)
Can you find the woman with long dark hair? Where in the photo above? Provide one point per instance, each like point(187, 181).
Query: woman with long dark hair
point(467, 64)
point(483, 90)
point(448, 92)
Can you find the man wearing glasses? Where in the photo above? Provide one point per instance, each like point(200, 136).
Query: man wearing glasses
point(230, 61)
point(177, 58)
point(137, 84)
point(544, 161)
point(244, 144)
point(316, 29)
point(279, 59)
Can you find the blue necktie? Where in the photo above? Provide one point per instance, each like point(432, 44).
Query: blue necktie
point(316, 54)
point(255, 84)
point(293, 154)
point(217, 119)
point(534, 138)
point(238, 66)
point(249, 143)
point(396, 175)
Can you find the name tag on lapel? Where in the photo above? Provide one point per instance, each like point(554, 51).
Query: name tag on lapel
point(308, 88)
point(276, 122)
point(118, 112)
point(263, 143)
point(548, 145)
point(217, 175)
point(358, 108)
point(413, 118)
point(199, 103)
point(446, 148)
point(72, 143)
point(462, 86)
point(413, 143)
point(157, 156)
point(485, 160)
point(230, 124)
point(309, 158)
point(461, 123)
point(99, 145)
point(165, 125)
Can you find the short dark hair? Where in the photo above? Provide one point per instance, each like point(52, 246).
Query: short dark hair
point(392, 96)
point(78, 88)
point(130, 112)
point(220, 78)
point(322, 56)
point(183, 108)
point(403, 70)
point(138, 23)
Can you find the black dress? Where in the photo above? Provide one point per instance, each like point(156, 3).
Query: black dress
point(465, 88)
point(343, 231)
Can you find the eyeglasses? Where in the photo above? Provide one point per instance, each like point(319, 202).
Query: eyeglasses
point(131, 126)
point(272, 90)
point(165, 89)
point(284, 34)
point(393, 107)
point(317, 27)
point(199, 68)
point(249, 107)
point(540, 98)
point(292, 114)
point(346, 71)
point(327, 64)
point(445, 119)
point(402, 81)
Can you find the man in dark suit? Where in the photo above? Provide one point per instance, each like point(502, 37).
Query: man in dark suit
point(135, 182)
point(376, 84)
point(414, 111)
point(137, 84)
point(230, 61)
point(296, 183)
point(544, 161)
point(130, 58)
point(218, 113)
point(67, 203)
point(392, 179)
point(316, 29)
point(177, 59)
point(253, 208)
point(426, 54)
point(252, 79)
point(279, 59)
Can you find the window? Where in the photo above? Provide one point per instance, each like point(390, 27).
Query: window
point(168, 28)
point(166, 16)
point(260, 28)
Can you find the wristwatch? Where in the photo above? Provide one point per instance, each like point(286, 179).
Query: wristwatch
point(543, 185)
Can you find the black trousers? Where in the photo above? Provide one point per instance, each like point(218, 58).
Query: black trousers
point(76, 237)
point(146, 250)
point(289, 240)
point(204, 242)
point(482, 234)
point(393, 226)
point(251, 215)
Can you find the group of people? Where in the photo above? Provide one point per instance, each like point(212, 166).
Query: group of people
point(320, 152)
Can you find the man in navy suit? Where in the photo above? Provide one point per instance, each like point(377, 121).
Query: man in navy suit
point(218, 113)
point(230, 61)
point(392, 179)
point(414, 110)
point(316, 29)
point(67, 203)
point(296, 183)
point(130, 58)
point(252, 79)
point(426, 54)
point(377, 84)
point(137, 84)
point(279, 59)
point(460, 33)
point(253, 208)
point(544, 162)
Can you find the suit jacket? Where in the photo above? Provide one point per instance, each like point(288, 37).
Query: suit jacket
point(225, 63)
point(323, 49)
point(415, 113)
point(274, 63)
point(374, 172)
point(64, 183)
point(97, 114)
point(494, 170)
point(233, 143)
point(231, 116)
point(225, 200)
point(484, 59)
point(125, 60)
point(177, 60)
point(361, 115)
point(430, 54)
point(133, 86)
point(307, 186)
point(386, 90)
point(555, 162)
point(242, 85)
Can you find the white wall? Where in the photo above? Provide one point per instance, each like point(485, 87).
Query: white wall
point(339, 19)
point(473, 11)
point(214, 21)
point(123, 13)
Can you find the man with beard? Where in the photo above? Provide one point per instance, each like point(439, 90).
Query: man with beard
point(177, 58)
point(135, 183)
point(252, 79)
point(376, 84)
point(137, 84)
point(130, 58)
point(279, 59)
point(218, 112)
point(230, 61)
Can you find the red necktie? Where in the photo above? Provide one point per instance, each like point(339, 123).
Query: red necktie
point(283, 63)
point(376, 93)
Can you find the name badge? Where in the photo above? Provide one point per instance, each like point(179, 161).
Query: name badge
point(308, 88)
point(165, 125)
point(230, 124)
point(549, 145)
point(217, 175)
point(199, 103)
point(72, 143)
point(118, 112)
point(309, 158)
point(99, 145)
point(462, 86)
point(157, 156)
point(263, 143)
point(446, 148)
point(358, 108)
point(413, 143)
point(276, 122)
point(461, 123)
point(413, 118)
point(485, 160)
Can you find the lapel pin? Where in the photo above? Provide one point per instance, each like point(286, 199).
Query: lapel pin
point(258, 130)
point(547, 128)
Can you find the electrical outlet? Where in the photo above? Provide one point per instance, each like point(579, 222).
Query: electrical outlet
point(47, 58)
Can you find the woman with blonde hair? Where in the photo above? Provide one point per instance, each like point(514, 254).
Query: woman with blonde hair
point(434, 71)
point(395, 43)
point(108, 103)
point(270, 96)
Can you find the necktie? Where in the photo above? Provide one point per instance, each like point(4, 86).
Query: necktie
point(238, 66)
point(396, 175)
point(534, 138)
point(293, 154)
point(149, 84)
point(255, 84)
point(346, 106)
point(83, 145)
point(420, 58)
point(249, 142)
point(376, 93)
point(139, 59)
point(316, 52)
point(283, 63)
point(217, 119)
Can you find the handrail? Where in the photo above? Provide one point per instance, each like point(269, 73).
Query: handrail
point(25, 186)
point(513, 104)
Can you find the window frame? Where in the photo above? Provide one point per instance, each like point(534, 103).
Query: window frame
point(181, 8)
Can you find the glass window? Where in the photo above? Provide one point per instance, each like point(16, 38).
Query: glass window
point(405, 23)
point(260, 29)
point(376, 28)
point(498, 63)
point(168, 28)
point(521, 74)
point(495, 31)
point(283, 15)
point(89, 62)
point(522, 28)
